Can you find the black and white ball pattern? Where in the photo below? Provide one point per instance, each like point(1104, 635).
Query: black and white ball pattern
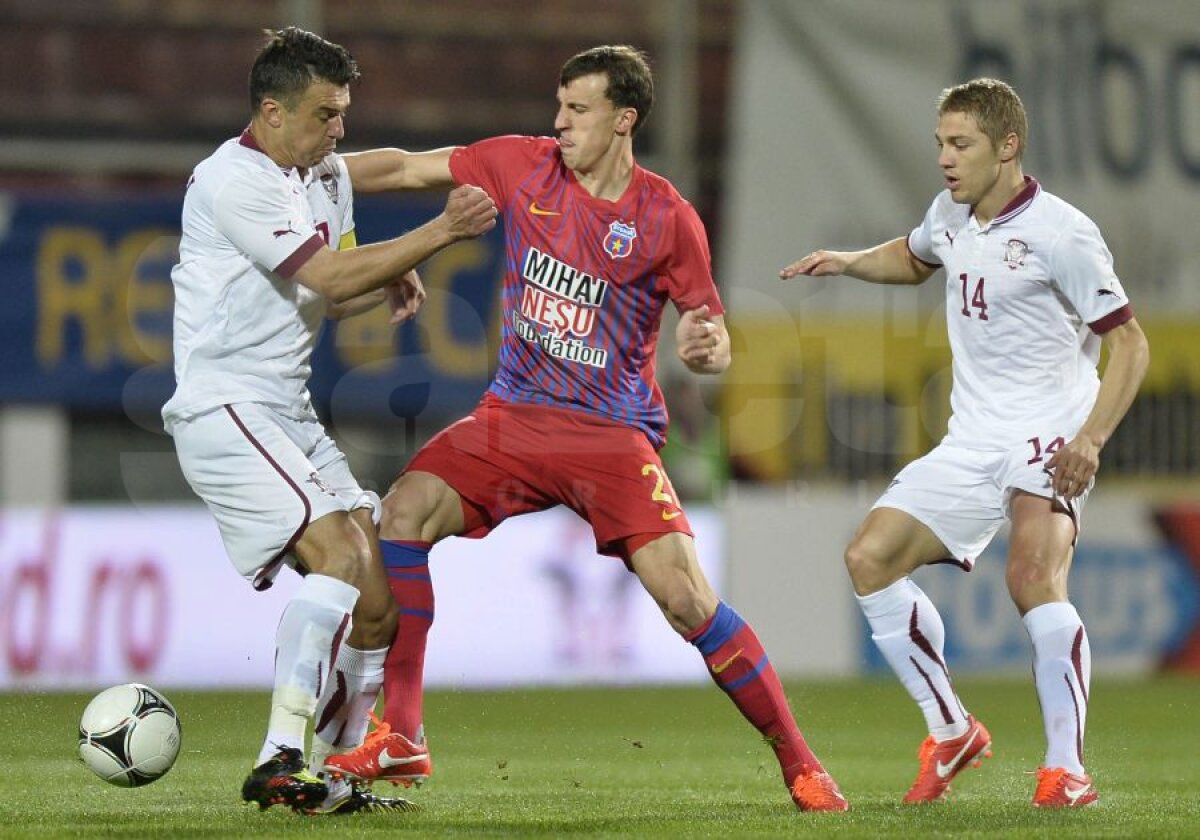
point(129, 735)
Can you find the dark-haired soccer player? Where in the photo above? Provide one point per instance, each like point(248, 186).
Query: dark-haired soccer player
point(596, 247)
point(266, 253)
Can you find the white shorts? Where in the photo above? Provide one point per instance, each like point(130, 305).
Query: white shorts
point(265, 477)
point(963, 495)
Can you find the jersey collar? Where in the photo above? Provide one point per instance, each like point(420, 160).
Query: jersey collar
point(247, 140)
point(1019, 204)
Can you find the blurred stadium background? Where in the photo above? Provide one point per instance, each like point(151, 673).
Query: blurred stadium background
point(790, 125)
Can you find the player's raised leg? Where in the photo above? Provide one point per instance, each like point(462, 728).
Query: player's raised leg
point(909, 633)
point(668, 568)
point(1040, 552)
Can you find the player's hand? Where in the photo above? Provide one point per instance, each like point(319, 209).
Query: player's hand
point(698, 340)
point(1073, 467)
point(469, 212)
point(404, 297)
point(817, 264)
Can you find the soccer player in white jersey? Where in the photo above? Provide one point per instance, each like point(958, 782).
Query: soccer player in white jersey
point(1030, 296)
point(266, 253)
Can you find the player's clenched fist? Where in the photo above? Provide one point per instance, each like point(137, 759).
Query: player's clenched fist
point(817, 264)
point(701, 343)
point(405, 295)
point(470, 212)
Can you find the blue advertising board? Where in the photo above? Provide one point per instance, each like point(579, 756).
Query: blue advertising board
point(87, 315)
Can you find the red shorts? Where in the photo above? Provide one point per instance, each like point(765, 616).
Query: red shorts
point(507, 458)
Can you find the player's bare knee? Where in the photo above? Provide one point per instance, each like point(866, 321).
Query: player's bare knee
point(866, 568)
point(407, 509)
point(394, 512)
point(337, 548)
point(687, 605)
point(1032, 584)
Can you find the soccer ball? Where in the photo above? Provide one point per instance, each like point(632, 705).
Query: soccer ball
point(129, 735)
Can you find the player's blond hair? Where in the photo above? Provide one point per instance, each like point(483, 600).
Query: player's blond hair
point(995, 106)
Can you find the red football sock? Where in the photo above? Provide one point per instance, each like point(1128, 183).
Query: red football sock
point(407, 566)
point(740, 666)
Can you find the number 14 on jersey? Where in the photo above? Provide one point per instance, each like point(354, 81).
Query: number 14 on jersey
point(977, 298)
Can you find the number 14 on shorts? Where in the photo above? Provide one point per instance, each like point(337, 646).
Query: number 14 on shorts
point(1040, 453)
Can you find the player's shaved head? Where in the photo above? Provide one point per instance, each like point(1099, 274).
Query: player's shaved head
point(997, 109)
point(630, 82)
point(291, 60)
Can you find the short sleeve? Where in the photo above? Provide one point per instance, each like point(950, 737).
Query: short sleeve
point(1082, 268)
point(495, 164)
point(258, 215)
point(689, 266)
point(920, 241)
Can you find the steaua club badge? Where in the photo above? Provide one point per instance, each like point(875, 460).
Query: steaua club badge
point(619, 241)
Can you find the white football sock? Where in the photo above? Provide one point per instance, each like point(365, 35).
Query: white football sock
point(343, 712)
point(1062, 672)
point(312, 627)
point(909, 632)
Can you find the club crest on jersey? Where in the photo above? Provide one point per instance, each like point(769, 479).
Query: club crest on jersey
point(329, 182)
point(619, 240)
point(1015, 252)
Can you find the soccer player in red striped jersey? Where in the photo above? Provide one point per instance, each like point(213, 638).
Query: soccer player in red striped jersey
point(596, 248)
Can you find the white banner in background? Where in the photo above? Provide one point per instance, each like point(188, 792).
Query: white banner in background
point(95, 596)
point(833, 111)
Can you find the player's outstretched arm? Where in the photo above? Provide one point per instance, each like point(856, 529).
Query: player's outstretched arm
point(702, 341)
point(378, 170)
point(890, 263)
point(1076, 463)
point(342, 275)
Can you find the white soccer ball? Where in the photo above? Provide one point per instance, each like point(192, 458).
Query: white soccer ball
point(129, 735)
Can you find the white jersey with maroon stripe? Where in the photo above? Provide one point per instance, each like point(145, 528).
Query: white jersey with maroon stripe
point(244, 329)
point(1027, 297)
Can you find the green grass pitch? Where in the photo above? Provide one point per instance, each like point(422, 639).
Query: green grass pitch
point(635, 762)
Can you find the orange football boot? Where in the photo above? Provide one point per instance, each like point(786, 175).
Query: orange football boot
point(941, 761)
point(818, 792)
point(384, 756)
point(1057, 787)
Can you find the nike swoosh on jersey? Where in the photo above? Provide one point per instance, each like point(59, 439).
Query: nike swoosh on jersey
point(716, 669)
point(385, 760)
point(944, 770)
point(538, 211)
point(668, 515)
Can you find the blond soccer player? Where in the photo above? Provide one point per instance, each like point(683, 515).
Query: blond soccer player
point(1031, 296)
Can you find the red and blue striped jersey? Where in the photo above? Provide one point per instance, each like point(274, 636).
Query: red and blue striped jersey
point(586, 280)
